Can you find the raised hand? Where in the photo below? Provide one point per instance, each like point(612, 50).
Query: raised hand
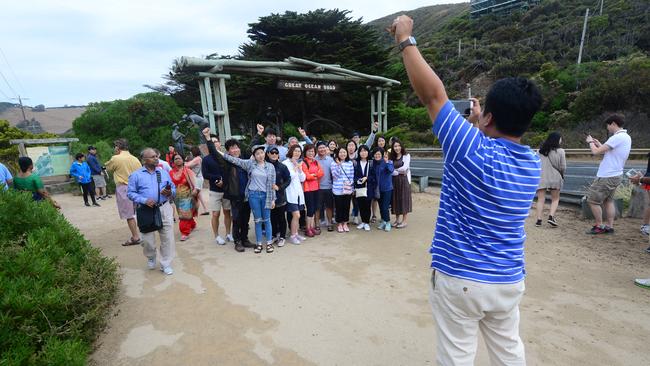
point(260, 129)
point(302, 132)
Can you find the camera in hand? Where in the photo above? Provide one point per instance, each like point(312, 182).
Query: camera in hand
point(463, 106)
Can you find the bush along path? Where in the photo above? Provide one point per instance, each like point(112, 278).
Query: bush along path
point(55, 289)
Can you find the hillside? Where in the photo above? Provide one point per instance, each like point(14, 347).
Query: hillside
point(542, 44)
point(427, 20)
point(54, 120)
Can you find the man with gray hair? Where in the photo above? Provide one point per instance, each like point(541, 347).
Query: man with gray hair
point(152, 186)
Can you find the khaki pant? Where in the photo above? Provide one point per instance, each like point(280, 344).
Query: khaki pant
point(166, 234)
point(461, 308)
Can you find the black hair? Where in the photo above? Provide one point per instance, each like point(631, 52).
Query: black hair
point(363, 147)
point(615, 118)
point(513, 102)
point(393, 153)
point(304, 153)
point(376, 142)
point(230, 143)
point(375, 150)
point(356, 147)
point(24, 162)
point(338, 150)
point(321, 143)
point(176, 153)
point(552, 142)
point(270, 131)
point(195, 151)
point(214, 136)
point(78, 156)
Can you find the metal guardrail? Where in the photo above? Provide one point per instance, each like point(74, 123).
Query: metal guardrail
point(437, 150)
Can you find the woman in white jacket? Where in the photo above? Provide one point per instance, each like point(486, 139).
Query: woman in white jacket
point(294, 192)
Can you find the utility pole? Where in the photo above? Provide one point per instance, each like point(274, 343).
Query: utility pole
point(22, 108)
point(459, 47)
point(582, 41)
point(601, 7)
point(474, 43)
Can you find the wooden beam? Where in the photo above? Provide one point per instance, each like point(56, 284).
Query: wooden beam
point(43, 141)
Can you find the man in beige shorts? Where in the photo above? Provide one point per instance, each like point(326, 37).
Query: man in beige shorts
point(601, 192)
point(213, 172)
point(122, 164)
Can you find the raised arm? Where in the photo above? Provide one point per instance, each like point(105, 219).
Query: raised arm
point(373, 134)
point(426, 84)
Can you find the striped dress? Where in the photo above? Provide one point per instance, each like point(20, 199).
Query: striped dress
point(487, 188)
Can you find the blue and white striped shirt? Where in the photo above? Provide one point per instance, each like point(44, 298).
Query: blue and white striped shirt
point(487, 188)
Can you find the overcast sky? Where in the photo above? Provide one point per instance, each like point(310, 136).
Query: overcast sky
point(79, 51)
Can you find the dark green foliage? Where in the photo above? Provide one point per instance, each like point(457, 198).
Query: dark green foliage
point(145, 120)
point(55, 289)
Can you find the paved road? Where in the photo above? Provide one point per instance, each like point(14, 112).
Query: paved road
point(579, 173)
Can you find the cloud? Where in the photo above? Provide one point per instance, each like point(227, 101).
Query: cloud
point(110, 49)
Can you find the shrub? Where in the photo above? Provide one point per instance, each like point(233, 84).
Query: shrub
point(55, 288)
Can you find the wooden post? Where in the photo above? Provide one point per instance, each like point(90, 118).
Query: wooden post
point(21, 149)
point(210, 107)
point(224, 106)
point(385, 112)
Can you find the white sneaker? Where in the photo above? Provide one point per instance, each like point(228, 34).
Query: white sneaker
point(642, 282)
point(645, 229)
point(230, 238)
point(167, 270)
point(294, 239)
point(300, 237)
point(361, 226)
point(151, 262)
point(219, 240)
point(281, 242)
point(366, 227)
point(323, 222)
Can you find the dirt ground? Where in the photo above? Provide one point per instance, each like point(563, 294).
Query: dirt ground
point(361, 298)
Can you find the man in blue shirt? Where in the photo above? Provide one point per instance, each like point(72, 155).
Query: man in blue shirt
point(6, 179)
point(488, 185)
point(144, 189)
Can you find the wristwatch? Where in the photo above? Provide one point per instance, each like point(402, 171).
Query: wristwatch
point(410, 41)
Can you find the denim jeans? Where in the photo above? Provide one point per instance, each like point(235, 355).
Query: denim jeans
point(257, 201)
point(384, 204)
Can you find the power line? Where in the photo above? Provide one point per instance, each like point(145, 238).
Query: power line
point(5, 95)
point(7, 82)
point(12, 70)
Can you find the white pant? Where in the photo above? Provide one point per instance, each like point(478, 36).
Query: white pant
point(167, 242)
point(462, 307)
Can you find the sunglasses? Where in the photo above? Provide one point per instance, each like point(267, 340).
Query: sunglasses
point(273, 153)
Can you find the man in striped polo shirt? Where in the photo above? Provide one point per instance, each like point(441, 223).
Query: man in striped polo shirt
point(488, 185)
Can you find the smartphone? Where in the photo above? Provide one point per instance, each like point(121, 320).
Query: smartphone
point(463, 106)
point(218, 180)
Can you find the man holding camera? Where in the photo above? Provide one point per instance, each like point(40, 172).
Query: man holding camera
point(152, 186)
point(488, 185)
point(616, 150)
point(214, 173)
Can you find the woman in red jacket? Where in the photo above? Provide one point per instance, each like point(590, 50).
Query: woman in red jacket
point(313, 171)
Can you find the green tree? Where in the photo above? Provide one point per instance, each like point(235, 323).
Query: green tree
point(145, 120)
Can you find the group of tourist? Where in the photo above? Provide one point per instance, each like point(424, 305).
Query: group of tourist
point(293, 190)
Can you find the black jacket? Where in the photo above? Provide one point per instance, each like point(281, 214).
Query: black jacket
point(235, 178)
point(282, 180)
point(212, 171)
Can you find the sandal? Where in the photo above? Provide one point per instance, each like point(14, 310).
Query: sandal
point(401, 225)
point(373, 219)
point(330, 228)
point(258, 248)
point(269, 248)
point(131, 242)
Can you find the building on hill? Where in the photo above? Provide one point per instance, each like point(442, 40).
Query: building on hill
point(501, 7)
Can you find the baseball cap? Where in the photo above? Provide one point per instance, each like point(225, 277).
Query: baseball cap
point(258, 147)
point(273, 149)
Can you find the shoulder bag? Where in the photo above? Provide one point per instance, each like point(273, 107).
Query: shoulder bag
point(150, 218)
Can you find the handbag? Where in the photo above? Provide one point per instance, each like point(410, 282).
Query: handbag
point(150, 218)
point(363, 191)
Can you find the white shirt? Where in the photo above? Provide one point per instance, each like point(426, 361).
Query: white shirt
point(294, 191)
point(614, 160)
